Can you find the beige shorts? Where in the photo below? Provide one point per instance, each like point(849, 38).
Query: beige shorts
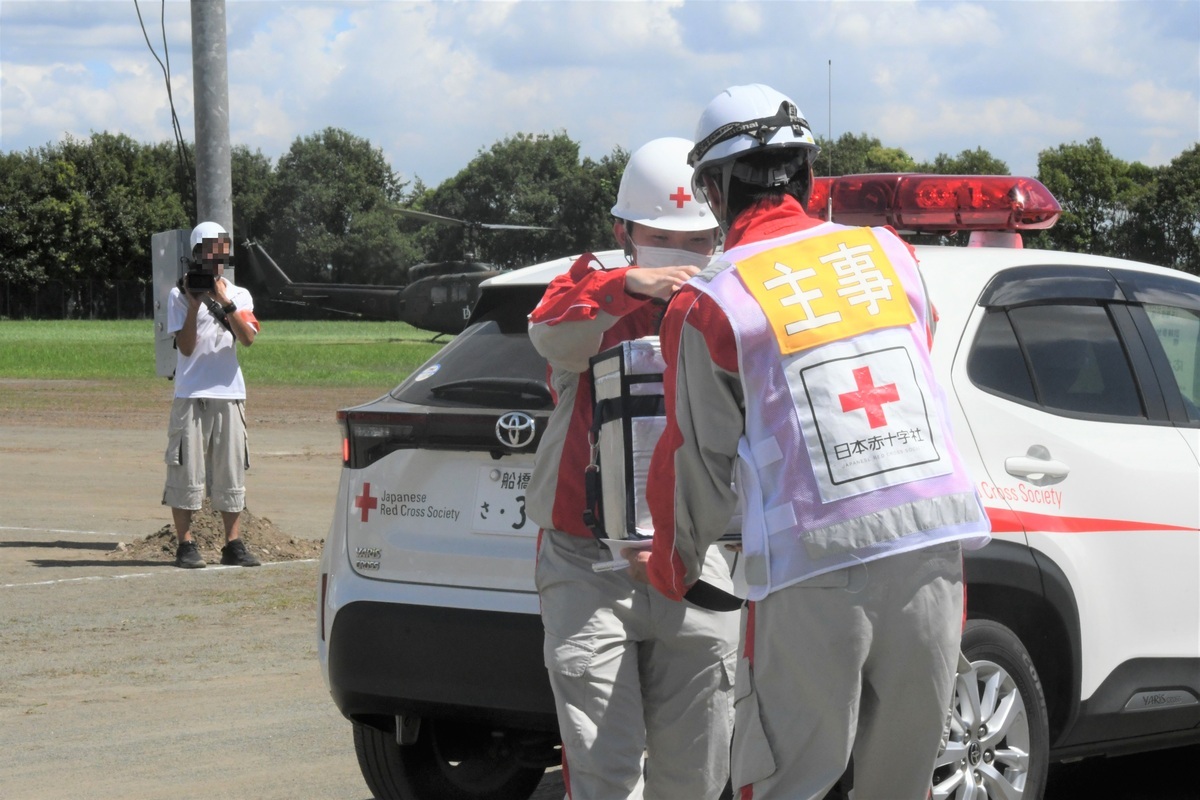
point(208, 453)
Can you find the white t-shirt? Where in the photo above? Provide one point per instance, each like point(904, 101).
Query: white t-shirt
point(212, 370)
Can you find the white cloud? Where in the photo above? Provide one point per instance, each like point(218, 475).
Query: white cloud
point(904, 24)
point(993, 124)
point(1094, 38)
point(56, 99)
point(432, 83)
point(742, 19)
point(1164, 105)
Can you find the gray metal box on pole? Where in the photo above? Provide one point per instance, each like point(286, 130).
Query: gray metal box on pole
point(168, 249)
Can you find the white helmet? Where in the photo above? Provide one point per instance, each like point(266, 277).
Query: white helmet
point(656, 189)
point(745, 118)
point(207, 230)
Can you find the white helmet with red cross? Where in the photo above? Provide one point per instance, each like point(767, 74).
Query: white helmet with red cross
point(656, 189)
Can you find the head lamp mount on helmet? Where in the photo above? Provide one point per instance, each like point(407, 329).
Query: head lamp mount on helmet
point(761, 129)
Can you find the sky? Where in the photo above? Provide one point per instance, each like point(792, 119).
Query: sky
point(432, 84)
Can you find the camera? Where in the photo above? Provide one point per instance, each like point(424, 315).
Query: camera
point(198, 278)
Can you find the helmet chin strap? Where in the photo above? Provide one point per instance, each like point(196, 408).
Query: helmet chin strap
point(628, 246)
point(778, 175)
point(721, 215)
point(726, 174)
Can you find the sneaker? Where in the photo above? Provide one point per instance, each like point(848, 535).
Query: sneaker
point(188, 557)
point(235, 554)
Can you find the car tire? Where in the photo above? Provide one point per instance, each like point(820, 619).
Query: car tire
point(996, 741)
point(425, 770)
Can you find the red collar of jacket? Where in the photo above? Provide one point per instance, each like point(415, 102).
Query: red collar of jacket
point(767, 219)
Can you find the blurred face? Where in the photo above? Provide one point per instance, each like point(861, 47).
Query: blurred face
point(216, 251)
point(701, 242)
point(654, 247)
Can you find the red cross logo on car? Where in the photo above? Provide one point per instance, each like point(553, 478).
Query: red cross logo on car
point(680, 197)
point(365, 501)
point(869, 397)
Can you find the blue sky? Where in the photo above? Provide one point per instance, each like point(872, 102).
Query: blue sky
point(432, 84)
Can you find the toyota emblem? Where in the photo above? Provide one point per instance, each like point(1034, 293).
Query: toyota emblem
point(515, 429)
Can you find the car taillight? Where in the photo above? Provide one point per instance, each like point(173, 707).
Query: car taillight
point(368, 436)
point(936, 203)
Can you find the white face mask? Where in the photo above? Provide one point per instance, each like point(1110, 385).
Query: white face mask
point(651, 257)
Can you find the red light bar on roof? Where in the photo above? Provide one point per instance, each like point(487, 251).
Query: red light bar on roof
point(912, 202)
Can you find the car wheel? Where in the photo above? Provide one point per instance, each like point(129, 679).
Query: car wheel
point(445, 763)
point(996, 741)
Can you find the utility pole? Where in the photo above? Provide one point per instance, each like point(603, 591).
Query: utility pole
point(210, 84)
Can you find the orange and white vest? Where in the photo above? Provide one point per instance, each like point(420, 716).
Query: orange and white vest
point(847, 454)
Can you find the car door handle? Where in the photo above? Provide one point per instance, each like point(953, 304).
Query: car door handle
point(1030, 466)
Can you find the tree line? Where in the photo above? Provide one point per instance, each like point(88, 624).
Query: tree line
point(84, 209)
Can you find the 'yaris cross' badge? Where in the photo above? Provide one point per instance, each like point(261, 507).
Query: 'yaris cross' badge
point(515, 429)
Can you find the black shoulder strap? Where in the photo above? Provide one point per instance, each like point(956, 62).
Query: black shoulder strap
point(215, 309)
point(707, 596)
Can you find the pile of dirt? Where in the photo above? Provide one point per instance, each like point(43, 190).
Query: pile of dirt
point(263, 538)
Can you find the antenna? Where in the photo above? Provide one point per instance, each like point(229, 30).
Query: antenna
point(829, 122)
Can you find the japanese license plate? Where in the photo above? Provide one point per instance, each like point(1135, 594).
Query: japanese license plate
point(500, 501)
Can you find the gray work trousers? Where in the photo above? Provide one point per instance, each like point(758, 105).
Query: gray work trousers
point(633, 673)
point(860, 661)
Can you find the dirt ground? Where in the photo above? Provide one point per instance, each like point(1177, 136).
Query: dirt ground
point(122, 676)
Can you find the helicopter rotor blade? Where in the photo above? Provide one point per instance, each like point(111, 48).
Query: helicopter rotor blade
point(491, 226)
point(499, 227)
point(425, 215)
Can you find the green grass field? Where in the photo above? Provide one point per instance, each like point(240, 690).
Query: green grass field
point(289, 353)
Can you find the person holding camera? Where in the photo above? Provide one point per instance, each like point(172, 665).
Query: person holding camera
point(206, 438)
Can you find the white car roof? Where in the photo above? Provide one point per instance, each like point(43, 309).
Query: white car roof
point(992, 259)
point(541, 274)
point(980, 260)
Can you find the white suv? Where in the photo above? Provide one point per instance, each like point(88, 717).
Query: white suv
point(1075, 384)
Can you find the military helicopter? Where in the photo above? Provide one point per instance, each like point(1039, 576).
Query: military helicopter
point(438, 297)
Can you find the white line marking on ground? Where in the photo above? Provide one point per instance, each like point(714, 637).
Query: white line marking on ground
point(61, 530)
point(174, 571)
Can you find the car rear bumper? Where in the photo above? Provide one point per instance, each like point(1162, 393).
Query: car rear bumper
point(388, 659)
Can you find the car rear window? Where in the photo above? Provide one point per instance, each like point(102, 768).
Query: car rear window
point(492, 364)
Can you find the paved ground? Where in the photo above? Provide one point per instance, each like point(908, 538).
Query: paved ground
point(131, 679)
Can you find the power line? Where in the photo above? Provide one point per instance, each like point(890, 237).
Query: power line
point(187, 186)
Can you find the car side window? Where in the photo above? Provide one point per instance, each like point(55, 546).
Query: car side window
point(1178, 332)
point(996, 362)
point(1066, 358)
point(1077, 360)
